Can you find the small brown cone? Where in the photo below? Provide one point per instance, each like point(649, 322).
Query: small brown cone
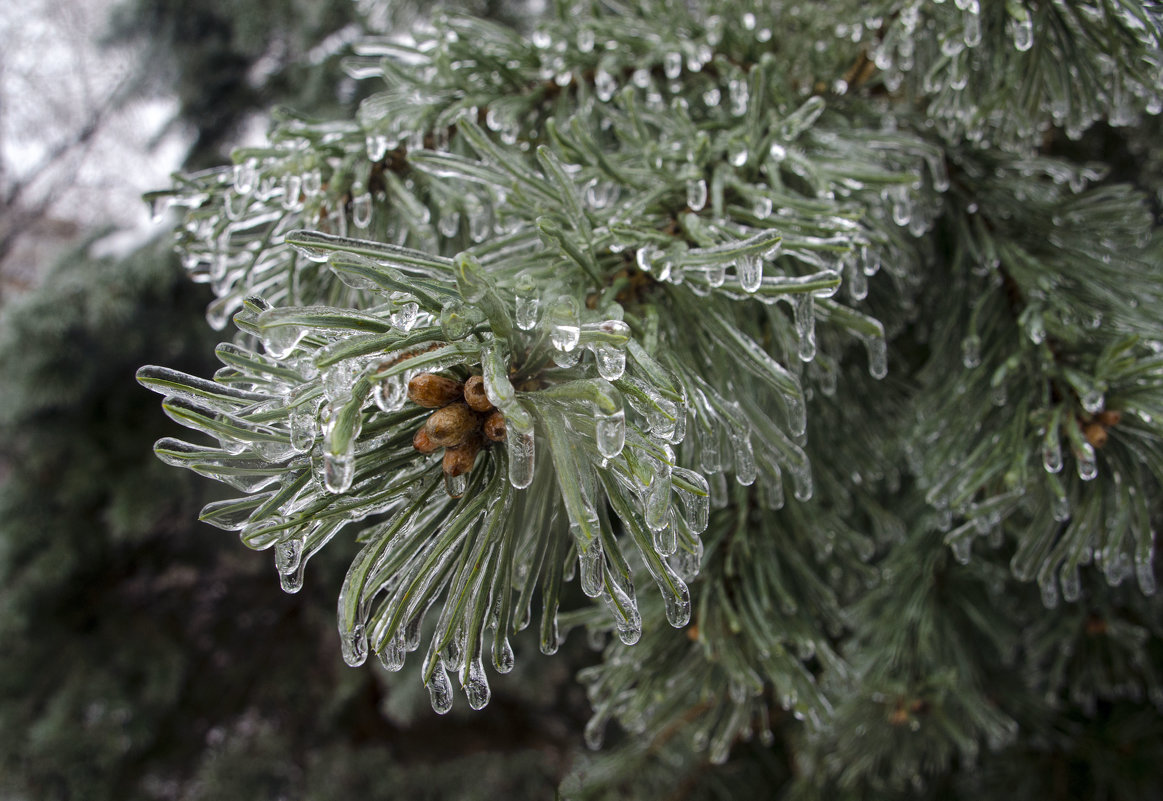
point(459, 460)
point(1095, 434)
point(433, 391)
point(495, 427)
point(451, 425)
point(475, 396)
point(422, 442)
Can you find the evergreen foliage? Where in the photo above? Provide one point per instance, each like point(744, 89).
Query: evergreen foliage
point(819, 343)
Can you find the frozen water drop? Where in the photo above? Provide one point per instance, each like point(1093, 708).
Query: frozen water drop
point(338, 471)
point(361, 210)
point(672, 65)
point(404, 317)
point(353, 645)
point(678, 602)
point(476, 685)
point(1093, 401)
point(1023, 31)
point(503, 659)
point(520, 447)
point(292, 582)
point(610, 433)
point(303, 428)
point(971, 351)
point(1087, 466)
point(1052, 454)
point(611, 361)
point(877, 356)
point(392, 655)
point(455, 485)
point(526, 302)
point(440, 690)
point(750, 271)
point(391, 394)
point(565, 326)
point(288, 555)
point(666, 540)
point(805, 322)
point(696, 194)
point(590, 566)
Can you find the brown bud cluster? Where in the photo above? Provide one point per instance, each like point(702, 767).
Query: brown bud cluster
point(1095, 429)
point(463, 420)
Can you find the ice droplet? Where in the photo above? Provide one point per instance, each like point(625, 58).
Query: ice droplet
point(971, 351)
point(745, 469)
point(610, 433)
point(672, 65)
point(527, 302)
point(404, 317)
point(666, 540)
point(455, 322)
point(1093, 401)
point(288, 555)
point(1087, 466)
point(565, 326)
point(393, 653)
point(1071, 583)
point(750, 271)
point(455, 485)
point(737, 153)
point(353, 645)
point(520, 447)
point(391, 394)
point(696, 194)
point(877, 356)
point(361, 210)
point(503, 659)
point(595, 732)
point(292, 582)
point(797, 414)
point(611, 361)
point(338, 471)
point(590, 563)
point(678, 601)
point(303, 428)
point(657, 500)
point(1052, 453)
point(476, 685)
point(961, 549)
point(1145, 575)
point(805, 322)
point(1023, 32)
point(440, 690)
point(278, 341)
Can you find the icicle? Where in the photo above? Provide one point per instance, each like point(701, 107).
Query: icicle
point(440, 689)
point(338, 471)
point(749, 268)
point(1022, 28)
point(361, 210)
point(797, 415)
point(1052, 452)
point(857, 280)
point(745, 468)
point(455, 485)
point(1071, 583)
point(666, 539)
point(805, 322)
point(292, 582)
point(611, 361)
point(565, 324)
point(503, 659)
point(404, 316)
point(353, 645)
point(802, 478)
point(391, 393)
point(527, 302)
point(392, 655)
point(590, 560)
point(303, 428)
point(610, 433)
point(288, 556)
point(520, 448)
point(971, 351)
point(455, 322)
point(279, 340)
point(1087, 466)
point(696, 194)
point(476, 685)
point(877, 356)
point(657, 500)
point(677, 598)
point(696, 508)
point(567, 359)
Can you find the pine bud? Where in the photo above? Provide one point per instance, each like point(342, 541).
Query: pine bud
point(433, 391)
point(1095, 434)
point(451, 425)
point(459, 460)
point(1109, 418)
point(474, 394)
point(495, 427)
point(422, 442)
